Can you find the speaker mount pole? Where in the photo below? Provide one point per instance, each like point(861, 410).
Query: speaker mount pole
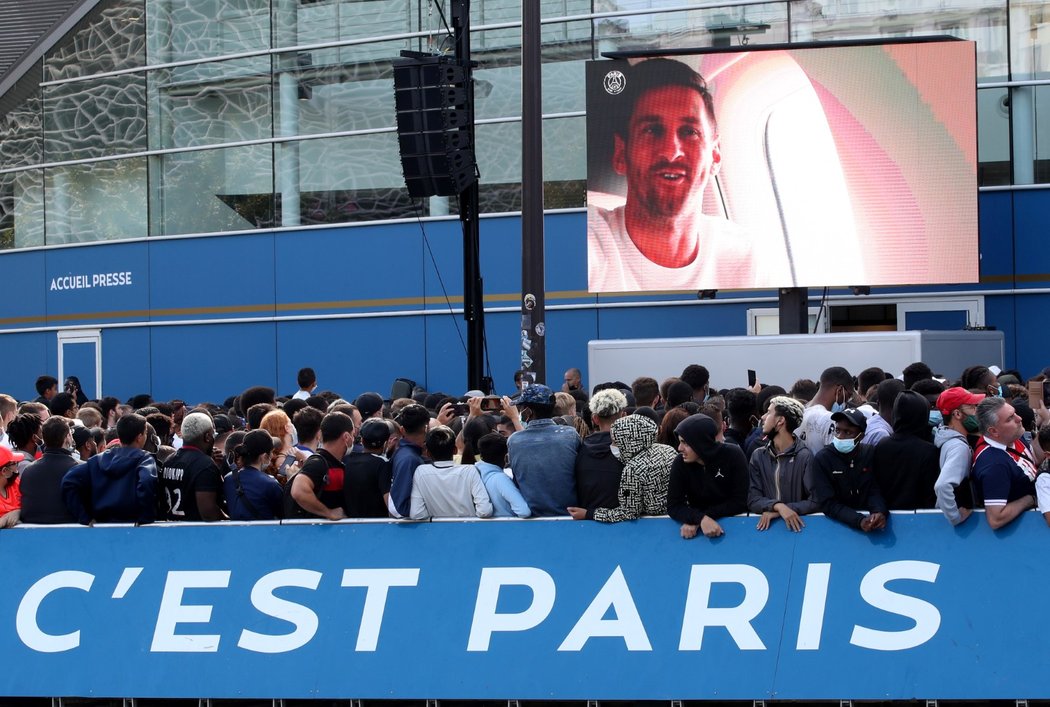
point(533, 300)
point(794, 310)
point(469, 210)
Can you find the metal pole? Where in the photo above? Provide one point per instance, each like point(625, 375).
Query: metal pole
point(533, 304)
point(794, 310)
point(473, 287)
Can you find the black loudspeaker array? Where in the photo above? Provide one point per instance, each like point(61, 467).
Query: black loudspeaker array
point(433, 125)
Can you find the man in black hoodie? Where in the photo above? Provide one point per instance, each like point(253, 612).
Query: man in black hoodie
point(843, 479)
point(598, 468)
point(708, 479)
point(907, 462)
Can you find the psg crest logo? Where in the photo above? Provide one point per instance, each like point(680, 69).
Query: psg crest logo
point(614, 82)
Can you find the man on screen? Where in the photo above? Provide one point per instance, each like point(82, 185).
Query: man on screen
point(666, 146)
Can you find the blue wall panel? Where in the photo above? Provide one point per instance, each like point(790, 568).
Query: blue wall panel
point(996, 235)
point(211, 362)
point(1029, 240)
point(1032, 349)
point(446, 361)
point(501, 257)
point(664, 322)
point(126, 362)
point(349, 264)
point(92, 283)
point(1001, 312)
point(24, 303)
point(565, 243)
point(442, 264)
point(568, 331)
point(217, 277)
point(25, 357)
point(351, 356)
point(387, 268)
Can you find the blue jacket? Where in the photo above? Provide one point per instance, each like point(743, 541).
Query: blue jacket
point(117, 486)
point(543, 460)
point(404, 462)
point(507, 500)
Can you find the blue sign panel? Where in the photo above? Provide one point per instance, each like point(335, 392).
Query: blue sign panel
point(98, 283)
point(529, 609)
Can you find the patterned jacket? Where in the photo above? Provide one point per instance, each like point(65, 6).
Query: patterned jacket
point(646, 470)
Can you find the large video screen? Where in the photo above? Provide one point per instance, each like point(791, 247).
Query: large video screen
point(811, 167)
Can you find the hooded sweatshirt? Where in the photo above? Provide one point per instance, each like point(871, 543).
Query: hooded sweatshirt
point(953, 487)
point(117, 486)
point(715, 486)
point(781, 478)
point(597, 472)
point(907, 463)
point(646, 470)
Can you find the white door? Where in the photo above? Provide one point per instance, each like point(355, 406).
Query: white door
point(80, 355)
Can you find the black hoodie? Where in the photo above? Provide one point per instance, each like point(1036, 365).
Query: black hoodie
point(597, 473)
point(717, 487)
point(907, 462)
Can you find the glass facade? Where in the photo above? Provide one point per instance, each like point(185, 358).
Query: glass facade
point(169, 117)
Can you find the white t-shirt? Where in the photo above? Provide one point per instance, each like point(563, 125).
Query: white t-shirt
point(817, 428)
point(1042, 493)
point(614, 263)
point(301, 395)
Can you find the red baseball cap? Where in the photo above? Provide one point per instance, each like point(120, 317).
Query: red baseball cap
point(950, 400)
point(9, 457)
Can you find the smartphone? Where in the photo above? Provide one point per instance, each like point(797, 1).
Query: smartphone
point(491, 403)
point(461, 409)
point(1037, 390)
point(751, 378)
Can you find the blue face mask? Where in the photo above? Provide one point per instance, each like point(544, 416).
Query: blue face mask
point(1000, 391)
point(844, 445)
point(936, 418)
point(837, 406)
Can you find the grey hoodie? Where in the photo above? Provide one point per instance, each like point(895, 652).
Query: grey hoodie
point(781, 478)
point(956, 457)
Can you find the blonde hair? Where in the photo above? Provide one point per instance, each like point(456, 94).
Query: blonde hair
point(608, 403)
point(276, 423)
point(564, 404)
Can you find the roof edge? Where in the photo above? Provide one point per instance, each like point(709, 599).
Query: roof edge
point(32, 55)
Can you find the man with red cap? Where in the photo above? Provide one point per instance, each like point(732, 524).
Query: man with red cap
point(958, 407)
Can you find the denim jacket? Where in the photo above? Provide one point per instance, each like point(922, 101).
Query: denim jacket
point(543, 459)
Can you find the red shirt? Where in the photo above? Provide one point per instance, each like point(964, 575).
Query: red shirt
point(14, 497)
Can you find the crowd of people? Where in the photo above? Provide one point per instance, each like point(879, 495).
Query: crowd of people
point(850, 447)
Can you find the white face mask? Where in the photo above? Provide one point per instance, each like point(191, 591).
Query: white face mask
point(615, 450)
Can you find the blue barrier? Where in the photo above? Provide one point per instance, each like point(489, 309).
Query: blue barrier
point(528, 610)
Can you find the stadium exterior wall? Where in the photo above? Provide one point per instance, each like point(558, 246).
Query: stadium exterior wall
point(205, 317)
